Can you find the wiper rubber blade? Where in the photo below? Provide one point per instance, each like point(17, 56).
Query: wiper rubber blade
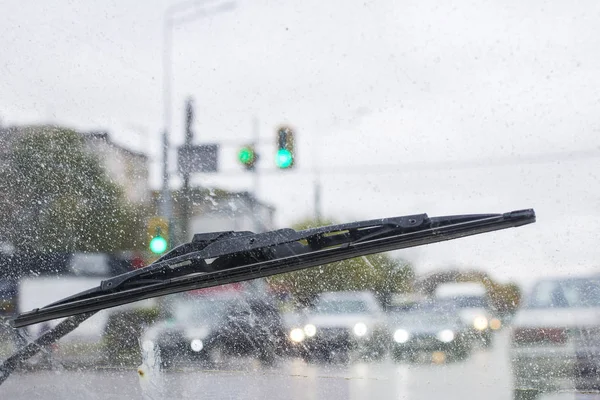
point(220, 258)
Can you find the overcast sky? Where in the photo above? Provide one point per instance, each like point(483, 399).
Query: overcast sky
point(403, 106)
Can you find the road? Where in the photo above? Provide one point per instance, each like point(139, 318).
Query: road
point(485, 375)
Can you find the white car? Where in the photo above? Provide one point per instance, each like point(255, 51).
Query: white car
point(471, 302)
point(342, 323)
point(555, 340)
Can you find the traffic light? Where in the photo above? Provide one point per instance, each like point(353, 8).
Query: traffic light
point(158, 235)
point(248, 157)
point(284, 159)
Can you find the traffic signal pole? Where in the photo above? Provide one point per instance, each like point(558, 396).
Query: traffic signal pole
point(165, 201)
point(186, 205)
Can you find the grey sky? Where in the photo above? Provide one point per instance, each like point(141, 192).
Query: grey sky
point(422, 86)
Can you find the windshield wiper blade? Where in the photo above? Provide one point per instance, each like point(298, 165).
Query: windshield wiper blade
point(226, 257)
point(220, 258)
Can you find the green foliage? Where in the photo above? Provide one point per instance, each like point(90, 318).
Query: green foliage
point(60, 199)
point(505, 298)
point(377, 272)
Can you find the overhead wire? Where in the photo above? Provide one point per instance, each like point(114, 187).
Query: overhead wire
point(433, 166)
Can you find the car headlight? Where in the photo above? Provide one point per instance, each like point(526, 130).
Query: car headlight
point(147, 345)
point(445, 336)
point(297, 335)
point(310, 330)
point(480, 323)
point(495, 324)
point(196, 345)
point(401, 336)
point(360, 329)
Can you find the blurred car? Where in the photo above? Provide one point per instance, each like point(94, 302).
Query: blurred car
point(470, 300)
point(428, 330)
point(556, 338)
point(208, 328)
point(341, 323)
point(8, 297)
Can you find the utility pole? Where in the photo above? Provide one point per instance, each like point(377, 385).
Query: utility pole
point(317, 199)
point(317, 182)
point(165, 203)
point(187, 198)
point(255, 177)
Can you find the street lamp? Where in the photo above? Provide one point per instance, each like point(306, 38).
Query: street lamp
point(170, 21)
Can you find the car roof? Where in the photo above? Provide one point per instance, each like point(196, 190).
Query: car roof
point(568, 278)
point(347, 295)
point(452, 289)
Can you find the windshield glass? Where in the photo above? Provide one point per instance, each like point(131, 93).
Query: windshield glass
point(206, 136)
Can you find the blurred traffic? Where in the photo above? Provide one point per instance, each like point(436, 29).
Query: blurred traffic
point(339, 325)
point(206, 327)
point(426, 331)
point(553, 336)
point(257, 319)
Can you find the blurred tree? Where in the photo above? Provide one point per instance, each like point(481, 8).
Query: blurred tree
point(59, 198)
point(378, 273)
point(505, 298)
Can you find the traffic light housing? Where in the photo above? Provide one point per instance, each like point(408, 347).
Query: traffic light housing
point(284, 158)
point(248, 157)
point(158, 235)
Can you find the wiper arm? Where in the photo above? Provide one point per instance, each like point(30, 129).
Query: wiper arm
point(31, 349)
point(220, 258)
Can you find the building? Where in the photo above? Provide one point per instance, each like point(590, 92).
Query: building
point(239, 212)
point(127, 168)
point(218, 210)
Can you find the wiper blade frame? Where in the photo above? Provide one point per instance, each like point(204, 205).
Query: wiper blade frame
point(240, 256)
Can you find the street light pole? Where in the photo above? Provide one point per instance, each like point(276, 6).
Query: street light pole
point(166, 206)
point(166, 209)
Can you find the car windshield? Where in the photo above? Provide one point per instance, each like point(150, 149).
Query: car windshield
point(424, 319)
point(565, 294)
point(341, 307)
point(160, 158)
point(465, 302)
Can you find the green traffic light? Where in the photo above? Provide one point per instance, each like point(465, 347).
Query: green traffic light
point(246, 155)
point(284, 158)
point(158, 245)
